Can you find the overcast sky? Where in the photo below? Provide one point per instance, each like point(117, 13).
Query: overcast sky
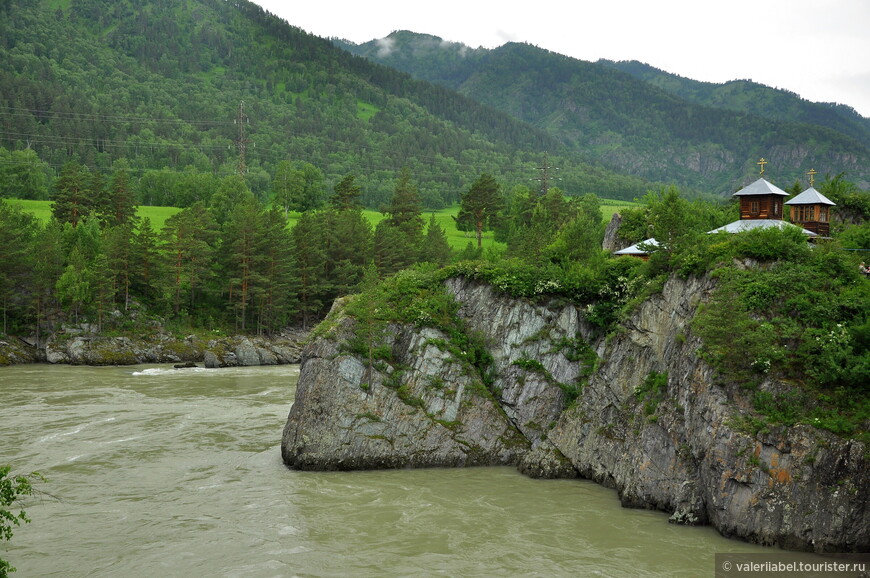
point(819, 49)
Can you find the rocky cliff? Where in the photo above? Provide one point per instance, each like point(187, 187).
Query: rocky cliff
point(636, 410)
point(77, 347)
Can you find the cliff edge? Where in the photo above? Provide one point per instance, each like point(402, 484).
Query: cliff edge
point(637, 411)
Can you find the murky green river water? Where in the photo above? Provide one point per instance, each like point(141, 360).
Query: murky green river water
point(154, 471)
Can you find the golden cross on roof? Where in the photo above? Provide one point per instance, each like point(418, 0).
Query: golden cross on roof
point(812, 174)
point(762, 162)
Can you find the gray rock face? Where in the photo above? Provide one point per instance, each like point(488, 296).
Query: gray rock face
point(81, 349)
point(673, 449)
point(431, 412)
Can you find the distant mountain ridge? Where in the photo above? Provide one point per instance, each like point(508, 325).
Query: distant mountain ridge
point(748, 96)
point(640, 120)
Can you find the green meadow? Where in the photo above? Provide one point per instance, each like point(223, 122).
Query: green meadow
point(444, 217)
point(42, 211)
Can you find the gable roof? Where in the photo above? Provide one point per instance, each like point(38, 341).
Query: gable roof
point(760, 187)
point(749, 224)
point(810, 197)
point(636, 250)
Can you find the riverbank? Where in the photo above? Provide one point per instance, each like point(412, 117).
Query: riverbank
point(76, 347)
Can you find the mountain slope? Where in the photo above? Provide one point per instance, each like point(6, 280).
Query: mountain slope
point(751, 97)
point(631, 124)
point(164, 82)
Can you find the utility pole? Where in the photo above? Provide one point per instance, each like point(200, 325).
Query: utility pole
point(243, 141)
point(544, 178)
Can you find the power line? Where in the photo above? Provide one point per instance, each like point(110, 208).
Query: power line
point(18, 111)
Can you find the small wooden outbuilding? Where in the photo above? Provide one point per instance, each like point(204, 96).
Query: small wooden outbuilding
point(812, 211)
point(761, 200)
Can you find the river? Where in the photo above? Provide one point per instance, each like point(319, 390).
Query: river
point(153, 471)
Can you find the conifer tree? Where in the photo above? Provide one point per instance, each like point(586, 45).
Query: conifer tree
point(348, 237)
point(47, 265)
point(399, 238)
point(391, 250)
point(436, 248)
point(72, 198)
point(242, 249)
point(347, 195)
point(101, 282)
point(120, 207)
point(480, 206)
point(146, 258)
point(282, 186)
point(17, 232)
point(277, 302)
point(310, 256)
point(188, 243)
point(120, 255)
point(405, 209)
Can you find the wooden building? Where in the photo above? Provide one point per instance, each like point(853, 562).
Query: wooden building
point(812, 211)
point(761, 200)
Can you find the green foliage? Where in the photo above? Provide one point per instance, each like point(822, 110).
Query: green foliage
point(479, 206)
point(652, 391)
point(772, 244)
point(12, 489)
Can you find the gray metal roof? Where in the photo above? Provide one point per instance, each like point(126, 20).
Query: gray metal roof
point(636, 250)
point(749, 224)
point(760, 187)
point(810, 197)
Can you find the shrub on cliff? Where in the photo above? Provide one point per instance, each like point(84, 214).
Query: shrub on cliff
point(802, 319)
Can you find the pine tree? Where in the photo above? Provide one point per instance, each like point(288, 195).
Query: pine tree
point(347, 195)
point(399, 238)
point(72, 198)
point(282, 186)
point(242, 248)
point(436, 248)
point(310, 256)
point(47, 265)
point(405, 209)
point(17, 232)
point(188, 243)
point(146, 270)
point(119, 247)
point(391, 251)
point(348, 236)
point(120, 207)
point(101, 283)
point(277, 302)
point(480, 206)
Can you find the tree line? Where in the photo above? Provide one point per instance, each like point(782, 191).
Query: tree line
point(229, 260)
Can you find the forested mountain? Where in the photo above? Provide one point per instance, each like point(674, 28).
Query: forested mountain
point(747, 96)
point(189, 85)
point(642, 127)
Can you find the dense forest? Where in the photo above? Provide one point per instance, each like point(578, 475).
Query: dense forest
point(693, 134)
point(205, 87)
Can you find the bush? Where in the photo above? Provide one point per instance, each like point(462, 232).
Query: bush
point(772, 244)
point(12, 489)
